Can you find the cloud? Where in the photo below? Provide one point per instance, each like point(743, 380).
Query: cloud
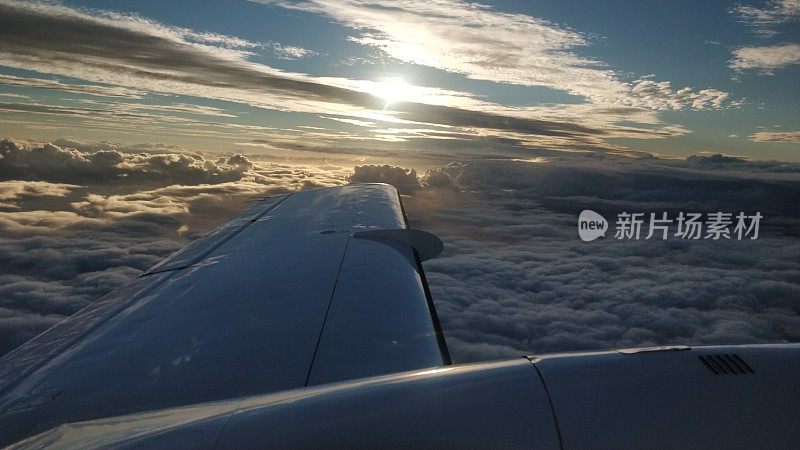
point(142, 54)
point(792, 137)
point(485, 44)
point(436, 178)
point(64, 245)
point(660, 96)
point(172, 108)
point(405, 180)
point(289, 51)
point(138, 55)
point(515, 278)
point(766, 58)
point(69, 165)
point(49, 276)
point(90, 89)
point(10, 191)
point(763, 20)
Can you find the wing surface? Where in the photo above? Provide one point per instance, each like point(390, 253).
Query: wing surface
point(286, 295)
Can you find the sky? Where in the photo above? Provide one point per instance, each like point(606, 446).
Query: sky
point(672, 79)
point(130, 128)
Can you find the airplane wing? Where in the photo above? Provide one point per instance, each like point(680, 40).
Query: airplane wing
point(306, 322)
point(299, 290)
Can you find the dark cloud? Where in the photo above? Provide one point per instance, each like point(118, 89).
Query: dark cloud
point(717, 161)
point(138, 56)
point(61, 36)
point(436, 178)
point(90, 89)
point(478, 119)
point(53, 163)
point(405, 180)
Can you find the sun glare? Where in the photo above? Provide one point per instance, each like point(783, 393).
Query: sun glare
point(393, 90)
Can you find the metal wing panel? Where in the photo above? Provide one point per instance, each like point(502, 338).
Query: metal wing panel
point(375, 324)
point(23, 360)
point(242, 312)
point(198, 249)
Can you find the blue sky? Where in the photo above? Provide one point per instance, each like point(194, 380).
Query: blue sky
point(673, 78)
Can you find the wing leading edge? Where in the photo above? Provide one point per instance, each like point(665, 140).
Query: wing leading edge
point(294, 292)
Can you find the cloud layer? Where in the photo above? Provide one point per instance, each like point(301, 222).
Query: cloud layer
point(485, 44)
point(514, 277)
point(53, 163)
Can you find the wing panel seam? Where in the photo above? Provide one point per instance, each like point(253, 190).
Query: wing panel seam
point(549, 401)
point(327, 311)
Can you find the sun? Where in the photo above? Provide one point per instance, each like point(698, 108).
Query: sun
point(393, 90)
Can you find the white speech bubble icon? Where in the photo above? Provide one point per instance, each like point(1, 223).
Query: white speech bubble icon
point(591, 225)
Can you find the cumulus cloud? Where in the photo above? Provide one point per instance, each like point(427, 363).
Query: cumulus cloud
point(436, 178)
point(661, 96)
point(405, 180)
point(70, 165)
point(766, 58)
point(48, 275)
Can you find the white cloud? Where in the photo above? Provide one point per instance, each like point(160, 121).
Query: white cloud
point(129, 51)
point(137, 55)
point(483, 43)
point(356, 122)
point(515, 279)
point(661, 96)
point(12, 190)
point(289, 51)
point(766, 58)
point(764, 19)
point(71, 165)
point(790, 137)
point(405, 180)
